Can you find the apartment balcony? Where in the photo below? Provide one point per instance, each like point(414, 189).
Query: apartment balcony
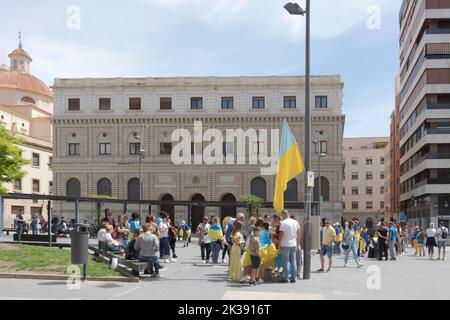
point(437, 131)
point(427, 186)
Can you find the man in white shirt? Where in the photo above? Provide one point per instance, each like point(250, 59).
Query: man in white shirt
point(289, 236)
point(441, 237)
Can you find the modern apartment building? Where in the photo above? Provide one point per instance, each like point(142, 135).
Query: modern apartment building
point(26, 108)
point(98, 125)
point(364, 179)
point(424, 110)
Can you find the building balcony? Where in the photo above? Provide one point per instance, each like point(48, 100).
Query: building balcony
point(437, 131)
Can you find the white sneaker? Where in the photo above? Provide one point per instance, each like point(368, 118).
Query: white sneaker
point(346, 265)
point(360, 265)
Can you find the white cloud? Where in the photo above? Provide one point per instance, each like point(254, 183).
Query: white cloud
point(70, 59)
point(330, 18)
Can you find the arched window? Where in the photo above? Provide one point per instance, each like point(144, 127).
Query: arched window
point(325, 186)
point(104, 187)
point(228, 211)
point(28, 100)
point(73, 188)
point(133, 189)
point(291, 193)
point(168, 208)
point(258, 188)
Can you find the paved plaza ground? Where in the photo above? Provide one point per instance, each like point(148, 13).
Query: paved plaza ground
point(189, 279)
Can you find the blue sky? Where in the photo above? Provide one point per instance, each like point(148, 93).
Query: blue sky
point(217, 37)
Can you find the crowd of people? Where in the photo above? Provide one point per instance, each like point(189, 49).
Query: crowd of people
point(153, 240)
point(385, 241)
point(259, 249)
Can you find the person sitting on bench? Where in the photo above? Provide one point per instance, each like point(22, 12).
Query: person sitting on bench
point(113, 245)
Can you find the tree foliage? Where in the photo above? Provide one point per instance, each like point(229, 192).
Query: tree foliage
point(254, 203)
point(11, 160)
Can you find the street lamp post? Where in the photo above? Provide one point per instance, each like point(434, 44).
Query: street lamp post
point(141, 157)
point(320, 155)
point(295, 9)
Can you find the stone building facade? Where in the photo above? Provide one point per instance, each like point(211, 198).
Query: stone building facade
point(26, 108)
point(98, 128)
point(364, 192)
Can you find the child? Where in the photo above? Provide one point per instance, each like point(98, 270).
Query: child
point(255, 256)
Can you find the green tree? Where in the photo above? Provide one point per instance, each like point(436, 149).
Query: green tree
point(11, 160)
point(254, 203)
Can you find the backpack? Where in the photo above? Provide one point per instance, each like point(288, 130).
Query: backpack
point(444, 233)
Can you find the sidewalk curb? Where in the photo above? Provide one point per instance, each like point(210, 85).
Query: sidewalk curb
point(62, 277)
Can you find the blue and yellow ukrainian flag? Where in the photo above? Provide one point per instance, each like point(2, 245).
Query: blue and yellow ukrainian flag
point(290, 165)
point(215, 232)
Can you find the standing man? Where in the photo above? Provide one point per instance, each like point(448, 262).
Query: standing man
point(20, 223)
point(392, 241)
point(289, 233)
point(441, 237)
point(34, 222)
point(329, 236)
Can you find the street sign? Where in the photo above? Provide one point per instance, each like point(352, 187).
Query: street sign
point(310, 179)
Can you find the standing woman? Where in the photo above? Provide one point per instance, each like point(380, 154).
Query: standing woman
point(215, 234)
point(135, 223)
point(431, 240)
point(351, 241)
point(226, 249)
point(235, 272)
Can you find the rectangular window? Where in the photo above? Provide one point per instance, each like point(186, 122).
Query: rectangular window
point(382, 205)
point(104, 104)
point(382, 160)
point(369, 205)
point(36, 159)
point(36, 186)
point(165, 103)
point(354, 162)
point(290, 102)
point(104, 149)
point(258, 103)
point(343, 205)
point(227, 103)
point(74, 104)
point(321, 102)
point(134, 148)
point(50, 187)
point(369, 161)
point(18, 185)
point(74, 149)
point(381, 190)
point(354, 175)
point(369, 176)
point(343, 191)
point(165, 148)
point(135, 103)
point(382, 175)
point(16, 209)
point(50, 162)
point(196, 103)
point(369, 190)
point(355, 205)
point(355, 191)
